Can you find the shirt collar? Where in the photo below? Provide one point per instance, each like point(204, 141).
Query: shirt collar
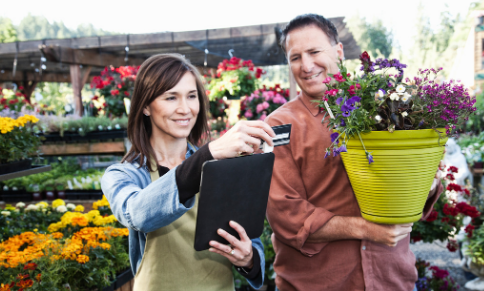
point(311, 106)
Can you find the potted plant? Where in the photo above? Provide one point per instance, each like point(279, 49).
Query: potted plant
point(17, 143)
point(391, 134)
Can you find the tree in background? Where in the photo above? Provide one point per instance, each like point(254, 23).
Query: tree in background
point(373, 37)
point(7, 31)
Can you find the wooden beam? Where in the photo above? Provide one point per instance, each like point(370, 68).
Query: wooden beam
point(6, 76)
point(76, 79)
point(116, 147)
point(86, 57)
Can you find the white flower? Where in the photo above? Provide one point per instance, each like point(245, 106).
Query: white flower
point(20, 205)
point(404, 113)
point(400, 88)
point(61, 209)
point(44, 210)
point(16, 210)
point(32, 207)
point(405, 96)
point(71, 206)
point(5, 213)
point(394, 97)
point(378, 118)
point(380, 93)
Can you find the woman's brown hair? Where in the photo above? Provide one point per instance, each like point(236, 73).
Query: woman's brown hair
point(157, 75)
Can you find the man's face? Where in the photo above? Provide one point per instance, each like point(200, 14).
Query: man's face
point(311, 57)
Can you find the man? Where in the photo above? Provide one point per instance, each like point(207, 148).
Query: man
point(320, 239)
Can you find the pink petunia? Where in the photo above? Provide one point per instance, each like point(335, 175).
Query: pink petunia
point(248, 114)
point(259, 108)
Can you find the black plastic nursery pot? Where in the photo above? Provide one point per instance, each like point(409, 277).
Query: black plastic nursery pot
point(15, 166)
point(83, 194)
point(15, 196)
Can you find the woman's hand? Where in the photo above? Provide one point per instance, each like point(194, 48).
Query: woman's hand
point(239, 252)
point(244, 137)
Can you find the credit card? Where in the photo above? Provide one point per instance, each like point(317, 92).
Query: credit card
point(283, 136)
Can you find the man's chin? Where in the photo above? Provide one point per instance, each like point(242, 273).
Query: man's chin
point(314, 93)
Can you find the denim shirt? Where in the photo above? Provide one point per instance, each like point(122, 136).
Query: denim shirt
point(143, 206)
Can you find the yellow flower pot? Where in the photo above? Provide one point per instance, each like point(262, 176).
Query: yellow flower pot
point(394, 188)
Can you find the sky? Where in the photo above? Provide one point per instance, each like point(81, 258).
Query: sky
point(141, 16)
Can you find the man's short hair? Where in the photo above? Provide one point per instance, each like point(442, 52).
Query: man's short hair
point(306, 20)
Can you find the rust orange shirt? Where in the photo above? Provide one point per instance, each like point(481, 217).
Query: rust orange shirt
point(307, 191)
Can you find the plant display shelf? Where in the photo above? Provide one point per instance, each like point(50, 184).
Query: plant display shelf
point(124, 282)
point(477, 172)
point(70, 137)
point(31, 171)
point(100, 148)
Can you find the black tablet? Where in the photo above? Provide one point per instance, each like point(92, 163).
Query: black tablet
point(233, 189)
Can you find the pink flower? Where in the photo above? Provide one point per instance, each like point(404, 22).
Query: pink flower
point(263, 116)
point(333, 92)
point(358, 86)
point(259, 108)
point(268, 95)
point(248, 114)
point(338, 77)
point(265, 105)
point(327, 80)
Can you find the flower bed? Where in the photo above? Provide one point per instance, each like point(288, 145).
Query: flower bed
point(47, 247)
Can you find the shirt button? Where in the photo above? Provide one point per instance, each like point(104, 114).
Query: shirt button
point(363, 248)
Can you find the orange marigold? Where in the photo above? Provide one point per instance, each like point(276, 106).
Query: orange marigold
point(82, 259)
point(38, 277)
point(25, 283)
point(30, 266)
point(80, 220)
point(57, 235)
point(5, 287)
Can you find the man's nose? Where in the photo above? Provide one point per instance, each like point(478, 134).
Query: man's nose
point(307, 64)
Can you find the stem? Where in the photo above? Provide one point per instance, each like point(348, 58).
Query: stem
point(363, 144)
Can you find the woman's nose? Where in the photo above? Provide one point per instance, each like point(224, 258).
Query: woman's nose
point(183, 107)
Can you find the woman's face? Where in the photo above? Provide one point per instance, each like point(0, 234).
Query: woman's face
point(174, 113)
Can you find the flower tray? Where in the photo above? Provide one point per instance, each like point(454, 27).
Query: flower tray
point(394, 188)
point(123, 278)
point(83, 194)
point(73, 137)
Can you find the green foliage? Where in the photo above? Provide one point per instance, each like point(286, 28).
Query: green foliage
point(7, 31)
point(17, 144)
point(475, 250)
point(372, 37)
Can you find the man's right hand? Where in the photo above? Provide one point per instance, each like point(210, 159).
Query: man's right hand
point(386, 234)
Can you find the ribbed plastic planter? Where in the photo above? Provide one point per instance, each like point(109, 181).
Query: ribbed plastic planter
point(394, 188)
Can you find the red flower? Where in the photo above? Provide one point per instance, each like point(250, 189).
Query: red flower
point(14, 101)
point(439, 273)
point(445, 219)
point(19, 94)
point(453, 169)
point(468, 210)
point(126, 93)
point(450, 177)
point(338, 77)
point(95, 98)
point(348, 75)
point(120, 86)
point(38, 277)
point(469, 230)
point(452, 245)
point(25, 283)
point(30, 266)
point(449, 210)
point(365, 57)
point(21, 277)
point(455, 187)
point(433, 216)
point(114, 92)
point(3, 101)
point(207, 92)
point(467, 192)
point(21, 87)
point(105, 104)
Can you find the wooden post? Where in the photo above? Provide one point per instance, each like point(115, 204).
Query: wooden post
point(29, 86)
point(292, 85)
point(77, 87)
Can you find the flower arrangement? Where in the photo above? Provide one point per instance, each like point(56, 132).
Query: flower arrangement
point(65, 255)
point(433, 278)
point(263, 102)
point(17, 141)
point(381, 102)
point(446, 219)
point(14, 100)
point(114, 85)
point(234, 78)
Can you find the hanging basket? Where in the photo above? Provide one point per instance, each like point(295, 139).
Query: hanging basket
point(395, 187)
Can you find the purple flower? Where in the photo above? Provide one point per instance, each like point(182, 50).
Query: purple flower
point(343, 123)
point(346, 110)
point(369, 157)
point(342, 149)
point(334, 136)
point(338, 101)
point(328, 152)
point(351, 102)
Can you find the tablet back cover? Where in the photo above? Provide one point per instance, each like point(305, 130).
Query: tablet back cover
point(233, 189)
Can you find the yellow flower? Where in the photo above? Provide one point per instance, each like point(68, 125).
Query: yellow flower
point(105, 246)
point(42, 204)
point(79, 208)
point(92, 214)
point(82, 259)
point(58, 202)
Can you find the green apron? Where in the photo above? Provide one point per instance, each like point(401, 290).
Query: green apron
point(170, 261)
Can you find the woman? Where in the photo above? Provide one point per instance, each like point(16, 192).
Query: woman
point(153, 190)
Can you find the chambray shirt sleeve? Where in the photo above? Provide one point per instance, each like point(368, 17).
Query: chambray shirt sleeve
point(147, 209)
point(257, 282)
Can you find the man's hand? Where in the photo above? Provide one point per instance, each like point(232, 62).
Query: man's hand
point(389, 235)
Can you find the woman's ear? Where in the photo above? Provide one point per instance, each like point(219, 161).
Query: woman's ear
point(146, 111)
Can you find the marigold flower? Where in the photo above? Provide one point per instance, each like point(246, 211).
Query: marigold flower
point(25, 283)
point(30, 266)
point(82, 259)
